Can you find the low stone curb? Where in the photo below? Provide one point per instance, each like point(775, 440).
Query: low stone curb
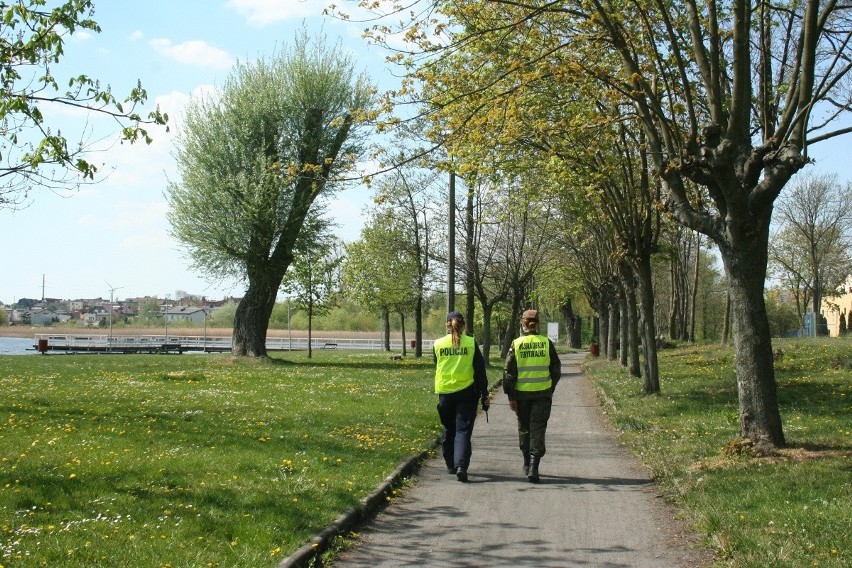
point(367, 508)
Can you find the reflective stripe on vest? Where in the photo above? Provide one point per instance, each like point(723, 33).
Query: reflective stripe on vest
point(532, 354)
point(454, 370)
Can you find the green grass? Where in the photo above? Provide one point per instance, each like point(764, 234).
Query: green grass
point(791, 510)
point(196, 460)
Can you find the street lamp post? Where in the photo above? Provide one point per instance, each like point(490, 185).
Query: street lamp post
point(451, 264)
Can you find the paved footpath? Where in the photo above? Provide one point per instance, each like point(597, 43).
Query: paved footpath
point(594, 507)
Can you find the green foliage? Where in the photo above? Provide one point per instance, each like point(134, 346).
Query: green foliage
point(787, 510)
point(223, 316)
point(378, 273)
point(4, 316)
point(149, 313)
point(782, 316)
point(196, 461)
point(344, 316)
point(313, 279)
point(255, 157)
point(32, 40)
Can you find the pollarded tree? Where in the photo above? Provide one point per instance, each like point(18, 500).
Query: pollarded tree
point(254, 159)
point(33, 154)
point(730, 95)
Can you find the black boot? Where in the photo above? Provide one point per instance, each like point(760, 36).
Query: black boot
point(532, 475)
point(526, 464)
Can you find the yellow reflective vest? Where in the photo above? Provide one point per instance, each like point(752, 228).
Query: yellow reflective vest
point(532, 354)
point(454, 369)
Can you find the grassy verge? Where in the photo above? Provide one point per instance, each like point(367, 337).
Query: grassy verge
point(196, 460)
point(790, 510)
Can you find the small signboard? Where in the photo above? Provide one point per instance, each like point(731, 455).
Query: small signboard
point(553, 331)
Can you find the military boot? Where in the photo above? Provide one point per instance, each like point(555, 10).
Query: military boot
point(526, 464)
point(532, 475)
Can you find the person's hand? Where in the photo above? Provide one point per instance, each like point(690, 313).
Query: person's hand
point(486, 403)
point(513, 404)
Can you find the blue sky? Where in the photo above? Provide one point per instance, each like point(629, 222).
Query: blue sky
point(114, 233)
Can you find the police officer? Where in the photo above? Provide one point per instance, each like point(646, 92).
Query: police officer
point(531, 372)
point(460, 382)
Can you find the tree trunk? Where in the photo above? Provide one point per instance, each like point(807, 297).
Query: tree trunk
point(623, 349)
point(645, 280)
point(402, 329)
point(603, 324)
point(511, 325)
point(251, 318)
point(310, 328)
point(572, 324)
point(692, 308)
point(675, 300)
point(613, 332)
point(633, 335)
point(418, 327)
point(760, 419)
point(487, 310)
point(386, 323)
point(726, 326)
point(596, 329)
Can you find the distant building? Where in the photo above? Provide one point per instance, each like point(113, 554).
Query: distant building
point(48, 316)
point(186, 313)
point(836, 306)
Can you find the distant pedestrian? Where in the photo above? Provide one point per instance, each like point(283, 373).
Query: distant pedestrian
point(531, 373)
point(460, 382)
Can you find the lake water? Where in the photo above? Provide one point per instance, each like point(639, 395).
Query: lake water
point(17, 346)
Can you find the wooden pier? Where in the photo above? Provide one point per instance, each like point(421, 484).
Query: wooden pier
point(164, 344)
point(130, 343)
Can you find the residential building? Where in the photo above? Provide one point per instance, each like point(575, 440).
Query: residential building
point(836, 306)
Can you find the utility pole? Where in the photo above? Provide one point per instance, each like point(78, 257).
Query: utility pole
point(451, 261)
point(469, 260)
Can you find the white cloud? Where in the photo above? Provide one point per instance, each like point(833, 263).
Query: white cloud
point(136, 36)
point(152, 242)
point(136, 215)
point(87, 220)
point(264, 12)
point(193, 52)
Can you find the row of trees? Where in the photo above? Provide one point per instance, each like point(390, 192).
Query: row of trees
point(588, 142)
point(698, 113)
